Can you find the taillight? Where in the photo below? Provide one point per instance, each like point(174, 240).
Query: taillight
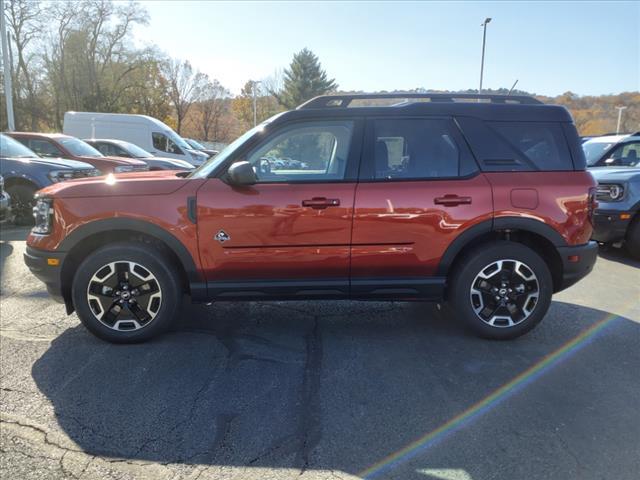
point(593, 203)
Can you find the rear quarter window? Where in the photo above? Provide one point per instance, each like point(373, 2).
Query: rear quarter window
point(543, 144)
point(518, 146)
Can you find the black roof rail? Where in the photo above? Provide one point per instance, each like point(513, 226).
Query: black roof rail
point(343, 101)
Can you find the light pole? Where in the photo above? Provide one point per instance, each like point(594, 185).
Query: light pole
point(484, 40)
point(8, 93)
point(620, 109)
point(255, 103)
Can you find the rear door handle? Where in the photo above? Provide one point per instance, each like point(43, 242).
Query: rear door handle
point(320, 203)
point(452, 200)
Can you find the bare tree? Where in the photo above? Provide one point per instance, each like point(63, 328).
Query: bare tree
point(212, 104)
point(184, 85)
point(25, 24)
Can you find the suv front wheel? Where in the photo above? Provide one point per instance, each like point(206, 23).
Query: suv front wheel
point(126, 292)
point(501, 290)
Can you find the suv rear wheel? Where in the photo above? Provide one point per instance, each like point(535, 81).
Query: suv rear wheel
point(501, 290)
point(126, 292)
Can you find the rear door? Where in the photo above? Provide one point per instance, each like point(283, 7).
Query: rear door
point(289, 233)
point(419, 188)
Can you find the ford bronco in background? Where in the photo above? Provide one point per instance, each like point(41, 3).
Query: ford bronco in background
point(479, 200)
point(614, 161)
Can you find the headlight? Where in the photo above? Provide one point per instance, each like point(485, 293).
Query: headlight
point(61, 175)
point(611, 192)
point(43, 214)
point(123, 168)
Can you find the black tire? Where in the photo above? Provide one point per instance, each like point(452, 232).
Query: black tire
point(632, 239)
point(151, 259)
point(22, 203)
point(466, 275)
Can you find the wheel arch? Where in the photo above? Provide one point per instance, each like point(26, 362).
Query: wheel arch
point(86, 239)
point(20, 180)
point(533, 233)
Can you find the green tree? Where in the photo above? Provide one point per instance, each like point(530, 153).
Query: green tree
point(303, 80)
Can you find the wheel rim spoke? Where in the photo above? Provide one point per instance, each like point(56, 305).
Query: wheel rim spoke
point(124, 295)
point(504, 293)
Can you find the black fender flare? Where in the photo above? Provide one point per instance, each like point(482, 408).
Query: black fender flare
point(501, 223)
point(196, 284)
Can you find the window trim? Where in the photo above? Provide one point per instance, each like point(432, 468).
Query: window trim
point(353, 159)
point(367, 170)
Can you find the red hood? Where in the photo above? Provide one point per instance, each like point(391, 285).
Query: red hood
point(160, 182)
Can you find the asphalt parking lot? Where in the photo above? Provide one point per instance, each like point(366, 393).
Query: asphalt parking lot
point(323, 390)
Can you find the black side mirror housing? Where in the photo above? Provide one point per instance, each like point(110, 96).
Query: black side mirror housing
point(241, 173)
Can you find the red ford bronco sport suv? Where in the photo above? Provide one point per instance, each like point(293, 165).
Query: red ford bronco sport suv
point(479, 200)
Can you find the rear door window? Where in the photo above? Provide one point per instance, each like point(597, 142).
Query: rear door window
point(412, 149)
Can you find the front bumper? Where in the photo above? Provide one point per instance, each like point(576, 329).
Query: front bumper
point(5, 207)
point(608, 227)
point(577, 263)
point(42, 264)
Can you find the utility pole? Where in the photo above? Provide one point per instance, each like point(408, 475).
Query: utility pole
point(8, 92)
point(484, 40)
point(620, 109)
point(254, 83)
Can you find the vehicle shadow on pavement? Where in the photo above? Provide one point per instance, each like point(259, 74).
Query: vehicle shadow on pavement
point(619, 255)
point(342, 385)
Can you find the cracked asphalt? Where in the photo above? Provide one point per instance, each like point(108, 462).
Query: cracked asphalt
point(322, 390)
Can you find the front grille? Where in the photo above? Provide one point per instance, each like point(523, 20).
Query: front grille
point(141, 168)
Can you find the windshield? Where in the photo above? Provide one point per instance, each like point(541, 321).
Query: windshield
point(594, 150)
point(14, 149)
point(209, 166)
point(178, 140)
point(79, 148)
point(136, 151)
point(195, 144)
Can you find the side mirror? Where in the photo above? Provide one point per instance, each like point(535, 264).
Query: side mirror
point(241, 173)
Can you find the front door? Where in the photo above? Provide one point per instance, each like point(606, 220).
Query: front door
point(419, 189)
point(289, 234)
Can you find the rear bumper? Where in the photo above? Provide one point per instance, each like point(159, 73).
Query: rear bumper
point(608, 226)
point(38, 262)
point(577, 263)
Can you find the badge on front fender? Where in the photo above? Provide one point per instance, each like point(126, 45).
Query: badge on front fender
point(222, 236)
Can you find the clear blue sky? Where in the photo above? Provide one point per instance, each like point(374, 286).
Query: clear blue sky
point(590, 48)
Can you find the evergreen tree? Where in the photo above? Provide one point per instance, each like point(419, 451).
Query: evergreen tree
point(303, 80)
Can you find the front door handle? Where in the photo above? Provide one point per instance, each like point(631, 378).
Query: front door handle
point(321, 203)
point(452, 200)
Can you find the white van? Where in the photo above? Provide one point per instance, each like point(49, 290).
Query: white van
point(146, 132)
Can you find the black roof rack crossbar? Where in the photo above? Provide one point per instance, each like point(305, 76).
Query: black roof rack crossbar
point(343, 101)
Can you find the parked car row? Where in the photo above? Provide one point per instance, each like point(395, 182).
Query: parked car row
point(148, 133)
